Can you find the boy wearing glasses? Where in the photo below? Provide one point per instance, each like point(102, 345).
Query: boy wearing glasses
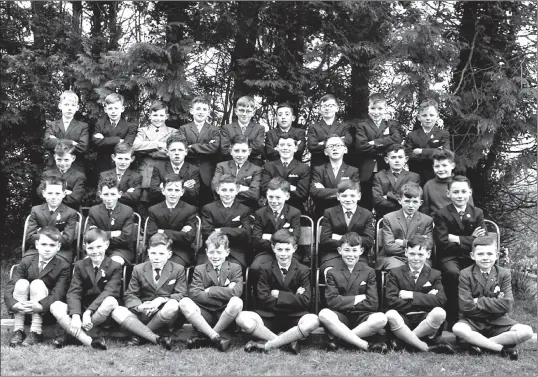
point(255, 133)
point(320, 131)
point(325, 178)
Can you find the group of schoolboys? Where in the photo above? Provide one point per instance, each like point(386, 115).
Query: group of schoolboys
point(178, 174)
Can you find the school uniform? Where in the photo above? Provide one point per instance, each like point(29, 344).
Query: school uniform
point(271, 141)
point(414, 311)
point(56, 276)
point(129, 179)
point(255, 134)
point(386, 184)
point(489, 315)
point(434, 195)
point(235, 223)
point(74, 181)
point(296, 173)
point(319, 132)
point(396, 225)
point(429, 143)
point(121, 218)
point(213, 302)
point(112, 135)
point(334, 222)
point(89, 289)
point(76, 131)
point(249, 175)
point(63, 218)
point(186, 172)
point(326, 197)
point(172, 221)
point(341, 288)
point(203, 151)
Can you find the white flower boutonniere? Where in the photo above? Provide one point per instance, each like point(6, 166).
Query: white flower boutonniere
point(497, 289)
point(112, 221)
point(103, 273)
point(59, 217)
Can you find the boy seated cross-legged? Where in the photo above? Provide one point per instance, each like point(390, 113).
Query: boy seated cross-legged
point(352, 301)
point(485, 299)
point(214, 295)
point(415, 299)
point(92, 296)
point(36, 283)
point(283, 298)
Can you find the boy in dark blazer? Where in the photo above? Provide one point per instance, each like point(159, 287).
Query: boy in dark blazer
point(247, 174)
point(93, 294)
point(456, 226)
point(153, 295)
point(276, 215)
point(176, 219)
point(74, 179)
point(399, 226)
point(76, 132)
point(325, 178)
point(319, 133)
point(283, 299)
point(415, 299)
point(373, 135)
point(116, 220)
point(229, 217)
point(53, 213)
point(36, 283)
point(485, 299)
point(351, 294)
point(387, 182)
point(292, 170)
point(129, 181)
point(284, 120)
point(346, 217)
point(255, 133)
point(203, 140)
point(176, 147)
point(111, 130)
point(214, 295)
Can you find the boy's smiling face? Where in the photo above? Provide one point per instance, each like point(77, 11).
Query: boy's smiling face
point(64, 162)
point(244, 114)
point(459, 193)
point(416, 256)
point(396, 159)
point(410, 205)
point(277, 198)
point(122, 160)
point(158, 117)
point(227, 193)
point(240, 152)
point(199, 112)
point(349, 198)
point(377, 110)
point(284, 252)
point(158, 255)
point(484, 256)
point(443, 168)
point(217, 256)
point(350, 254)
point(53, 195)
point(285, 117)
point(96, 250)
point(47, 247)
point(428, 117)
point(286, 148)
point(114, 110)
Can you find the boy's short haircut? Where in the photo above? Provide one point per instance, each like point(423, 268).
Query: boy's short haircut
point(64, 147)
point(350, 238)
point(123, 148)
point(285, 136)
point(488, 240)
point(227, 178)
point(176, 138)
point(159, 239)
point(54, 180)
point(217, 239)
point(51, 232)
point(69, 94)
point(200, 99)
point(113, 98)
point(283, 236)
point(411, 190)
point(278, 183)
point(335, 136)
point(428, 103)
point(286, 105)
point(109, 182)
point(349, 184)
point(246, 101)
point(459, 178)
point(172, 178)
point(417, 240)
point(443, 154)
point(376, 98)
point(327, 97)
point(94, 234)
point(240, 139)
point(158, 105)
point(394, 148)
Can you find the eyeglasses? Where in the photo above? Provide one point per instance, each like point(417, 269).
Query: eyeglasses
point(244, 111)
point(329, 106)
point(335, 146)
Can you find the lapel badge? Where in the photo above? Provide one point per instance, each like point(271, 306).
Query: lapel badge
point(103, 273)
point(59, 217)
point(112, 221)
point(468, 215)
point(431, 136)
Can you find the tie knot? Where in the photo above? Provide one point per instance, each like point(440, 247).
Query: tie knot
point(217, 270)
point(41, 265)
point(414, 273)
point(349, 214)
point(285, 164)
point(284, 271)
point(95, 269)
point(275, 213)
point(485, 274)
point(157, 274)
point(396, 174)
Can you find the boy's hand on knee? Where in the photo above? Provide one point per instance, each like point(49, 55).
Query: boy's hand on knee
point(36, 307)
point(75, 324)
point(275, 292)
point(87, 321)
point(21, 307)
point(98, 136)
point(300, 290)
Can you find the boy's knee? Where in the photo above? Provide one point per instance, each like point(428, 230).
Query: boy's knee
point(117, 258)
point(109, 304)
point(525, 332)
point(22, 287)
point(58, 309)
point(308, 323)
point(378, 320)
point(461, 330)
point(188, 307)
point(235, 305)
point(170, 308)
point(394, 319)
point(437, 315)
point(38, 289)
point(120, 314)
point(326, 315)
point(248, 321)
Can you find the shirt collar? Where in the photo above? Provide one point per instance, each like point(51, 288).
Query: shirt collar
point(397, 172)
point(288, 161)
point(111, 209)
point(419, 271)
point(199, 125)
point(171, 207)
point(243, 125)
point(488, 271)
point(66, 122)
point(46, 262)
point(52, 210)
point(286, 267)
point(178, 168)
point(336, 167)
point(352, 210)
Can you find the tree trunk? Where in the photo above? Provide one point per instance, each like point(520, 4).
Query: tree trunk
point(113, 25)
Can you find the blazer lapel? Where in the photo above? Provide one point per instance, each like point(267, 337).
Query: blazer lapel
point(212, 274)
point(341, 172)
point(379, 131)
point(224, 271)
point(233, 168)
point(454, 212)
point(423, 277)
point(291, 273)
point(278, 273)
point(280, 168)
point(88, 266)
point(479, 277)
point(165, 275)
point(48, 267)
point(203, 131)
point(407, 274)
point(356, 216)
point(175, 212)
point(492, 278)
point(271, 216)
point(103, 268)
point(353, 276)
point(330, 174)
point(148, 274)
point(401, 219)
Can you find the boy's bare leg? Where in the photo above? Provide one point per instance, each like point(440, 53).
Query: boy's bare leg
point(38, 291)
point(192, 313)
point(307, 324)
point(518, 334)
point(431, 323)
point(252, 323)
point(402, 331)
point(234, 307)
point(21, 293)
point(164, 316)
point(130, 321)
point(374, 323)
point(330, 320)
point(59, 311)
point(104, 310)
point(465, 332)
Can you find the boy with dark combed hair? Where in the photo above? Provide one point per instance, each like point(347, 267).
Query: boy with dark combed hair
point(284, 119)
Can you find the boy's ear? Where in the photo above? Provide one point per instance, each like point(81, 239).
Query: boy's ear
point(120, 193)
point(287, 195)
point(386, 159)
point(132, 158)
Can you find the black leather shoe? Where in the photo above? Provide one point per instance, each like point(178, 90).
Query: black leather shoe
point(474, 350)
point(134, 341)
point(332, 345)
point(61, 341)
point(255, 347)
point(442, 348)
point(510, 352)
point(165, 342)
point(220, 343)
point(294, 347)
point(378, 348)
point(17, 338)
point(196, 341)
point(395, 345)
point(99, 344)
point(32, 339)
